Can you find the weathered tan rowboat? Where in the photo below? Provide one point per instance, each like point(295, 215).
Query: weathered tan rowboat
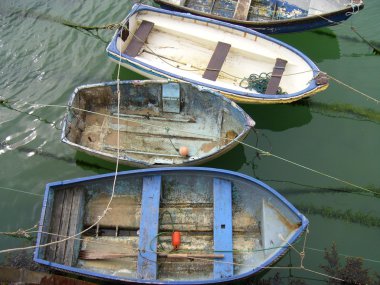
point(160, 123)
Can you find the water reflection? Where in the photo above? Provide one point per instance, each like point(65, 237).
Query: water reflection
point(98, 165)
point(319, 45)
point(279, 117)
point(126, 74)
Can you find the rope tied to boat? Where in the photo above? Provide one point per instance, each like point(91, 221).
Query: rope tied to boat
point(259, 83)
point(355, 8)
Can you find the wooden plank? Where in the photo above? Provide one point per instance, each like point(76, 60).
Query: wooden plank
point(197, 217)
point(216, 61)
point(223, 228)
point(150, 205)
point(59, 197)
point(242, 10)
point(139, 38)
point(64, 226)
point(125, 211)
point(74, 226)
point(275, 79)
point(244, 246)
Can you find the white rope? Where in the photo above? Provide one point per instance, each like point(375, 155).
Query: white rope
point(263, 152)
point(113, 185)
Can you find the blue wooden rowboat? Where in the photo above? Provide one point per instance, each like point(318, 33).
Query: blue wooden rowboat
point(271, 16)
point(240, 63)
point(158, 120)
point(232, 226)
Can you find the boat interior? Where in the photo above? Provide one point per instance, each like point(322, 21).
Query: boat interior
point(218, 56)
point(262, 10)
point(228, 226)
point(155, 121)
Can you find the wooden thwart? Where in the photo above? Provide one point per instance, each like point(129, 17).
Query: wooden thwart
point(223, 227)
point(150, 205)
point(216, 61)
point(275, 79)
point(242, 9)
point(139, 38)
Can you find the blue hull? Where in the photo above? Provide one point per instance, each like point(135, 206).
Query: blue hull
point(241, 205)
point(284, 25)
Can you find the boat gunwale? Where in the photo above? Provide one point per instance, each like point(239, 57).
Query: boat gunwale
point(259, 24)
point(119, 56)
point(127, 160)
point(167, 170)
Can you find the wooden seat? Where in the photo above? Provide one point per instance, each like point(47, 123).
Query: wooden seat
point(139, 38)
point(216, 61)
point(223, 228)
point(150, 206)
point(242, 9)
point(277, 73)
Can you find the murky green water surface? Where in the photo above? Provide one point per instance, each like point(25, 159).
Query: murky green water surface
point(336, 132)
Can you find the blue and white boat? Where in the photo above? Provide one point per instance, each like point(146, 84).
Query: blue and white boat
point(166, 226)
point(240, 63)
point(271, 16)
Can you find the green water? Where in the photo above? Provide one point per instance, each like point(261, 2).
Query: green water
point(335, 132)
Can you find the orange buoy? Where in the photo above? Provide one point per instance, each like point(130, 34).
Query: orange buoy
point(184, 151)
point(176, 239)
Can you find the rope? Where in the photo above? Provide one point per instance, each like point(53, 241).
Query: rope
point(20, 191)
point(113, 185)
point(262, 152)
point(353, 89)
point(258, 82)
point(309, 169)
point(355, 9)
point(300, 267)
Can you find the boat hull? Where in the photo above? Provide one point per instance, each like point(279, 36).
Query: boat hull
point(91, 124)
point(279, 26)
point(262, 221)
point(300, 80)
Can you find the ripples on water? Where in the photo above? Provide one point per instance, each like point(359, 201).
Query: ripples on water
point(42, 61)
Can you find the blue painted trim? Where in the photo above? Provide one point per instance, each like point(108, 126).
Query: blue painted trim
point(160, 171)
point(113, 52)
point(222, 190)
point(43, 212)
point(287, 25)
point(150, 208)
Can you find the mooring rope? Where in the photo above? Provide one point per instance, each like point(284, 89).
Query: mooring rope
point(107, 208)
point(263, 152)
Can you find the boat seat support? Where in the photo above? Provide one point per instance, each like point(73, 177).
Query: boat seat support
point(275, 79)
point(216, 61)
point(150, 206)
point(223, 228)
point(242, 9)
point(139, 38)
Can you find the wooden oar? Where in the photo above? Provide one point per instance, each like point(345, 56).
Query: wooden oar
point(84, 254)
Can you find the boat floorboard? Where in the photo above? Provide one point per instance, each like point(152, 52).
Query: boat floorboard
point(65, 222)
point(178, 269)
point(140, 141)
